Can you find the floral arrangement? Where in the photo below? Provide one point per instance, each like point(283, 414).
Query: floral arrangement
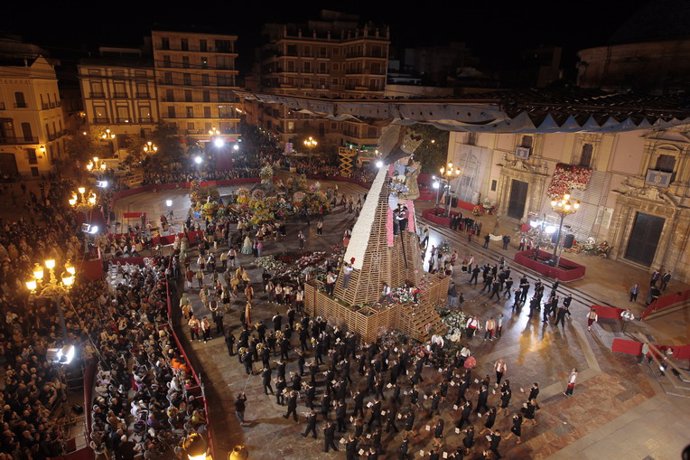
point(402, 295)
point(270, 264)
point(266, 174)
point(455, 322)
point(444, 247)
point(477, 211)
point(568, 177)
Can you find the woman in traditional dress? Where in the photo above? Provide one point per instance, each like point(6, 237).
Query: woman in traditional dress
point(248, 314)
point(247, 246)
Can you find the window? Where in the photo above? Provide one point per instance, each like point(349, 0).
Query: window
point(187, 79)
point(371, 131)
point(165, 43)
point(205, 80)
point(224, 96)
point(185, 62)
point(166, 61)
point(142, 89)
point(291, 66)
point(96, 89)
point(145, 113)
point(224, 46)
point(19, 101)
point(224, 62)
point(189, 111)
point(224, 80)
point(122, 114)
point(586, 155)
point(336, 52)
point(190, 126)
point(323, 52)
point(207, 112)
point(171, 112)
point(306, 51)
point(666, 163)
point(169, 95)
point(31, 156)
point(203, 45)
point(204, 62)
point(322, 67)
point(99, 113)
point(494, 184)
point(292, 50)
point(206, 96)
point(526, 141)
point(26, 131)
point(225, 111)
point(168, 78)
point(207, 127)
point(306, 67)
point(188, 96)
point(184, 44)
point(120, 89)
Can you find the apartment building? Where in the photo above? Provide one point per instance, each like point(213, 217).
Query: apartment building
point(119, 95)
point(32, 125)
point(332, 57)
point(195, 75)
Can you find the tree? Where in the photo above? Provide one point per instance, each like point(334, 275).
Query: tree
point(86, 144)
point(169, 144)
point(433, 151)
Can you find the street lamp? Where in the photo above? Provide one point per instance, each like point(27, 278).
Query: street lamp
point(448, 173)
point(96, 165)
point(107, 135)
point(81, 200)
point(563, 207)
point(54, 289)
point(310, 143)
point(110, 136)
point(150, 147)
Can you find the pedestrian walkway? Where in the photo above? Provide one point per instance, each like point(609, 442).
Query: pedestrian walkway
point(612, 398)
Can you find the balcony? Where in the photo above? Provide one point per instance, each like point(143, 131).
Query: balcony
point(97, 95)
point(145, 120)
point(101, 120)
point(143, 95)
point(117, 95)
point(44, 106)
point(20, 105)
point(4, 140)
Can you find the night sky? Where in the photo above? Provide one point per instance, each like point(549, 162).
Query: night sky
point(491, 29)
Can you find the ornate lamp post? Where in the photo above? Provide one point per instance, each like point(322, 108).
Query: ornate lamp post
point(83, 201)
point(563, 207)
point(54, 289)
point(96, 165)
point(448, 173)
point(150, 147)
point(310, 143)
point(108, 135)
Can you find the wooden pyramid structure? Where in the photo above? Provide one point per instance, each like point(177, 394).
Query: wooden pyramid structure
point(378, 255)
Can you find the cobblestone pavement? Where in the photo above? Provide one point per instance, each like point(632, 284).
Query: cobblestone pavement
point(618, 409)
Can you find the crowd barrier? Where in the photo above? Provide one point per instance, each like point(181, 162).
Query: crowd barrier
point(666, 301)
point(606, 312)
point(567, 270)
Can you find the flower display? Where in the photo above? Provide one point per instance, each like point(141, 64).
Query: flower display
point(455, 322)
point(403, 295)
point(566, 178)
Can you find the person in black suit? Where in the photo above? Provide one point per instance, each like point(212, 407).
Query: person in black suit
point(311, 424)
point(329, 437)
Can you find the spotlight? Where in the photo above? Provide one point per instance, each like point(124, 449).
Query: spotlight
point(198, 160)
point(218, 142)
point(235, 147)
point(379, 164)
